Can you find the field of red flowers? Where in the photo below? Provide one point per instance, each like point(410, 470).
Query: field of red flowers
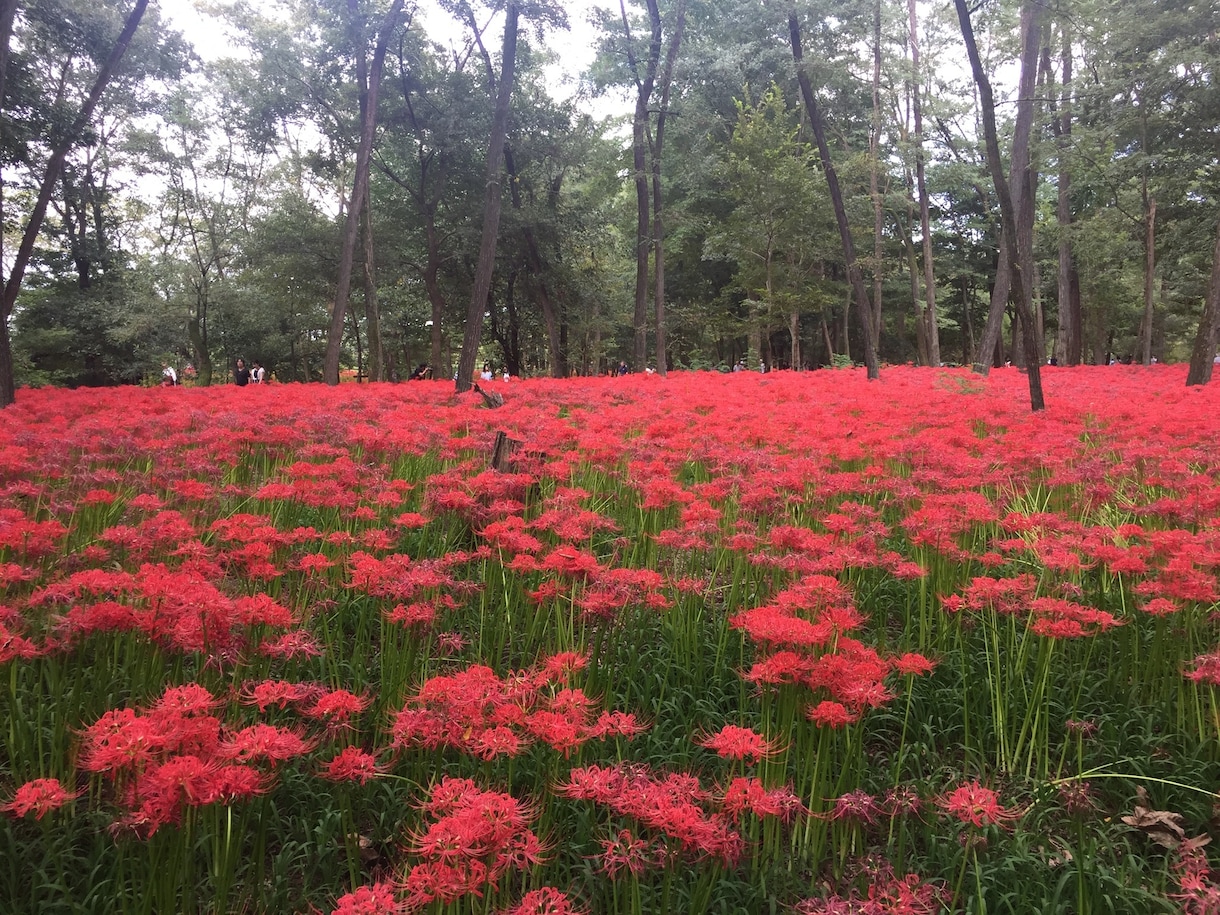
point(707, 644)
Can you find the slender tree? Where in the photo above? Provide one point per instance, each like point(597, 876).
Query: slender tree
point(931, 332)
point(1202, 356)
point(369, 79)
point(492, 202)
point(658, 225)
point(50, 177)
point(645, 83)
point(1007, 210)
point(863, 306)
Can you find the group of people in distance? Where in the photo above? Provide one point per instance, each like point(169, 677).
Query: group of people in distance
point(243, 376)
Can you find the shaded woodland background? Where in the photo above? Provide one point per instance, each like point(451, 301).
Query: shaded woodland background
point(203, 211)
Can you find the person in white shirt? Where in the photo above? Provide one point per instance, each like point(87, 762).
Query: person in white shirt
point(169, 377)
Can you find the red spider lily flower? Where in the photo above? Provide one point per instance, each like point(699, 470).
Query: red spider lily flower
point(913, 664)
point(1078, 798)
point(299, 643)
point(280, 693)
point(477, 836)
point(187, 700)
point(1206, 669)
point(352, 764)
point(975, 805)
point(1083, 729)
point(749, 794)
point(419, 615)
point(39, 797)
point(544, 901)
point(264, 741)
point(450, 643)
point(1160, 606)
point(616, 724)
point(781, 667)
point(29, 539)
point(624, 852)
point(13, 646)
point(830, 714)
point(337, 707)
point(234, 782)
point(1200, 893)
point(262, 610)
point(857, 805)
point(901, 801)
point(735, 742)
point(376, 899)
point(593, 783)
point(313, 565)
point(559, 667)
point(121, 740)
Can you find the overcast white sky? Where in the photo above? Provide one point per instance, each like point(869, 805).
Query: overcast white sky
point(207, 34)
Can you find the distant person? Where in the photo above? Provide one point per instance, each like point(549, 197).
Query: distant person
point(258, 374)
point(169, 377)
point(241, 374)
point(622, 367)
point(487, 374)
point(422, 372)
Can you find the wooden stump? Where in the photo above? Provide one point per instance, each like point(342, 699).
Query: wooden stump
point(502, 453)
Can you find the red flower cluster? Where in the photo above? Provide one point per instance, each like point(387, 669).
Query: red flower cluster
point(480, 713)
point(476, 837)
point(676, 806)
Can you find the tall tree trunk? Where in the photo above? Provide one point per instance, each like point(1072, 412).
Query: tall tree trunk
point(359, 345)
point(491, 205)
point(1018, 184)
point(1069, 343)
point(1203, 354)
point(1007, 210)
point(372, 310)
point(55, 164)
point(794, 331)
point(639, 151)
point(928, 313)
point(369, 80)
point(874, 170)
point(921, 338)
point(867, 319)
point(658, 227)
point(1149, 275)
point(537, 274)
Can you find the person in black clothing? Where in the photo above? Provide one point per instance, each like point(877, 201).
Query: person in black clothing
point(422, 373)
point(241, 374)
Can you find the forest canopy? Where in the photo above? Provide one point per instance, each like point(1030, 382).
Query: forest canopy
point(790, 186)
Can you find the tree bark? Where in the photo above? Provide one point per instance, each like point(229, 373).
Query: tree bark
point(369, 79)
point(874, 168)
point(1068, 347)
point(1149, 276)
point(372, 309)
point(867, 319)
point(492, 203)
point(639, 150)
point(1203, 354)
point(537, 268)
point(55, 164)
point(1019, 183)
point(1007, 210)
point(928, 313)
point(658, 227)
